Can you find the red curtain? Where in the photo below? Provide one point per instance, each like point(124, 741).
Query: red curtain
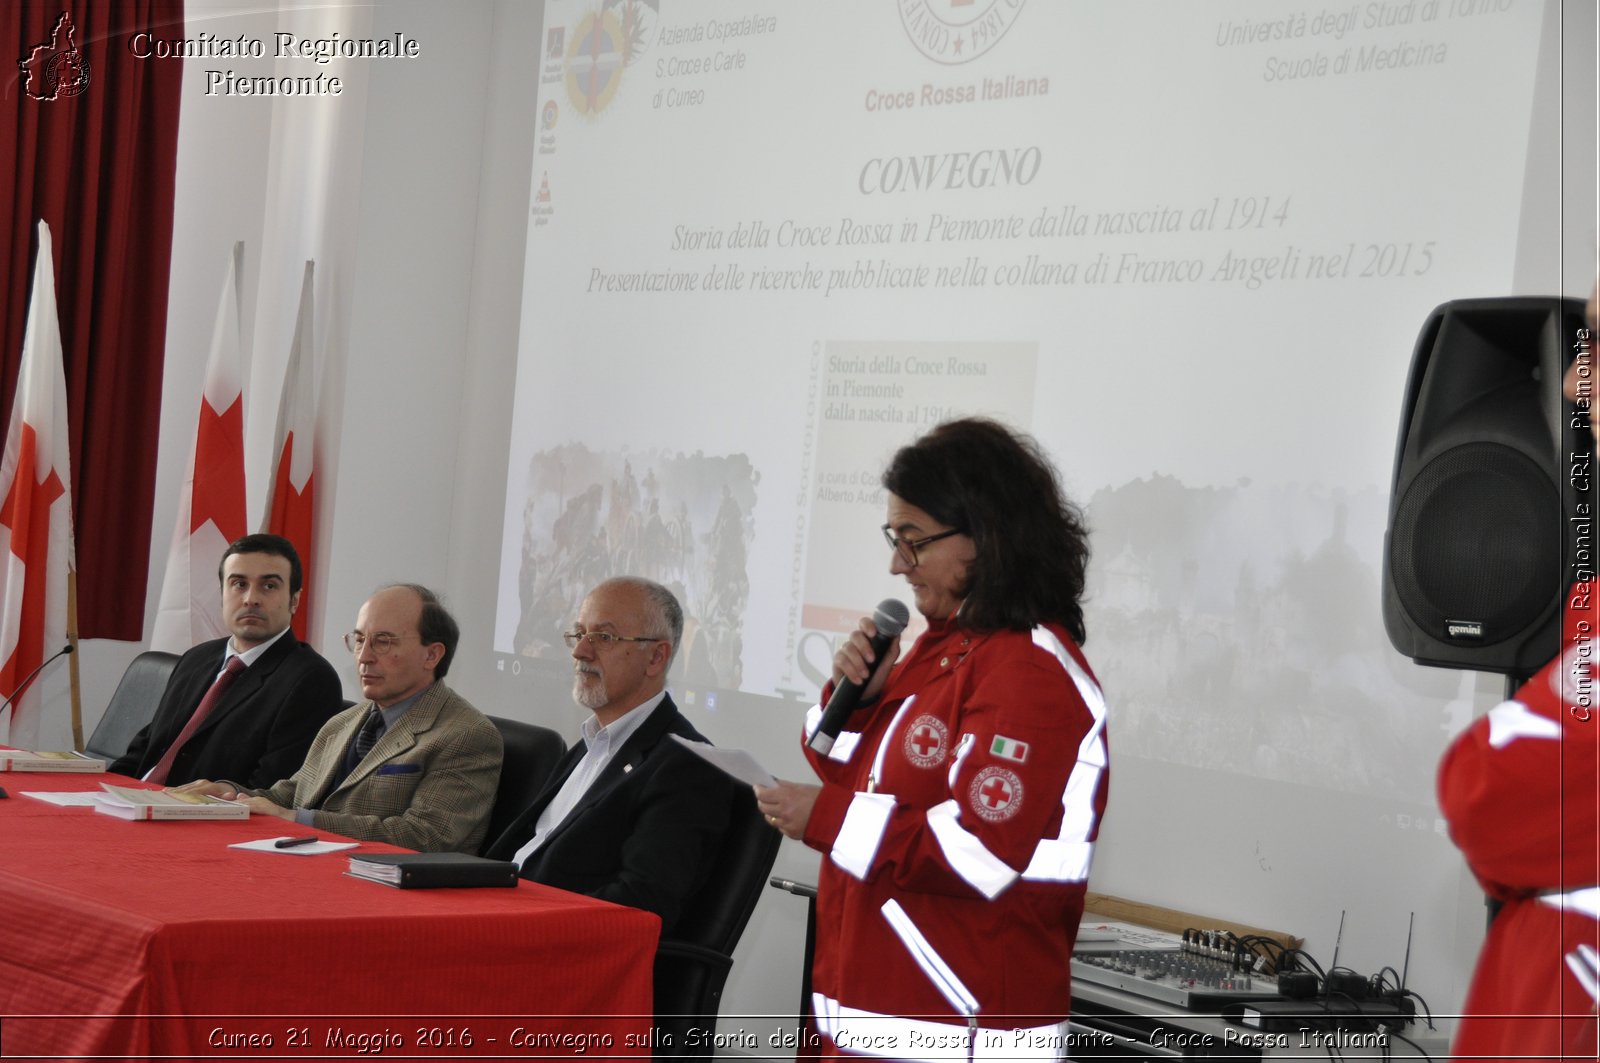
point(88, 143)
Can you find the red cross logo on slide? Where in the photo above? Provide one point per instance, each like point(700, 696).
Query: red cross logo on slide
point(926, 740)
point(995, 794)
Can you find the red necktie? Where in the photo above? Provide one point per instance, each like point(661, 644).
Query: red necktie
point(158, 774)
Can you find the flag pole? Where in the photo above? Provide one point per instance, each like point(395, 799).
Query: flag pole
point(72, 658)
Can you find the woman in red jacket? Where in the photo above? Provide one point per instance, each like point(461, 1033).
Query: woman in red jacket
point(959, 807)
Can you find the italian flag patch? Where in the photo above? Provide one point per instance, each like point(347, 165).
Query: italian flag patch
point(1009, 749)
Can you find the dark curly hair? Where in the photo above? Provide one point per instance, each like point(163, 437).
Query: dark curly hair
point(997, 486)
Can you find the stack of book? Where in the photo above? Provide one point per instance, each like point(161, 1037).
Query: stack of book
point(27, 760)
point(125, 802)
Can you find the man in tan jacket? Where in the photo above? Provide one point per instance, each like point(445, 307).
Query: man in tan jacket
point(414, 765)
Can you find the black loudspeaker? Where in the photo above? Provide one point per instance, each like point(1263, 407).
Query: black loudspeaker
point(1490, 509)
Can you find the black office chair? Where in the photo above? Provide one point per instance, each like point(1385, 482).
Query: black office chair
point(692, 966)
point(132, 705)
point(532, 753)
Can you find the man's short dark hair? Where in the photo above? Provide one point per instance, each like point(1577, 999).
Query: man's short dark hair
point(266, 543)
point(435, 625)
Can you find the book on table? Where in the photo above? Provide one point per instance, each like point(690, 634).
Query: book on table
point(413, 871)
point(126, 802)
point(28, 760)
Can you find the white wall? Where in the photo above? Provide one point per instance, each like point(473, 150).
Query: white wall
point(414, 188)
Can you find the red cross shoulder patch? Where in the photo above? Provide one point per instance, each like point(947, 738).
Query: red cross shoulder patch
point(927, 740)
point(995, 794)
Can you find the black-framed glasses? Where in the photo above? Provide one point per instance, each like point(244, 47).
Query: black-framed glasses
point(907, 548)
point(382, 643)
point(601, 639)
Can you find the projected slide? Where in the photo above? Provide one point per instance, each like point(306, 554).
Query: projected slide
point(1188, 246)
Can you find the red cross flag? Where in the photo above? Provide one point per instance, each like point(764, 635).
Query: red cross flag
point(35, 511)
point(211, 507)
point(292, 504)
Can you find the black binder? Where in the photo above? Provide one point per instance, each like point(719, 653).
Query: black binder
point(420, 871)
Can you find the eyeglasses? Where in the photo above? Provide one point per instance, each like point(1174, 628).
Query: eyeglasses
point(382, 644)
point(601, 639)
point(907, 548)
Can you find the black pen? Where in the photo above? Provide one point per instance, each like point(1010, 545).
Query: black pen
point(290, 843)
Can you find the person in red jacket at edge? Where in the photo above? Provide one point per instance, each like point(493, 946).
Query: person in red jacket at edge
point(1520, 789)
point(959, 806)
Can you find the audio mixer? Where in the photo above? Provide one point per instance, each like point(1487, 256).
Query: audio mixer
point(1172, 975)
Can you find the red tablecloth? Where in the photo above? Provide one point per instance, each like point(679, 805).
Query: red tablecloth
point(147, 940)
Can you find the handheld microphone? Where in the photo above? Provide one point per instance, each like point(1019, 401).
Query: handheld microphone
point(891, 618)
point(17, 693)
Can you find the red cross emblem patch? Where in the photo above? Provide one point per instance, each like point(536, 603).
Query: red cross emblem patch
point(926, 742)
point(995, 794)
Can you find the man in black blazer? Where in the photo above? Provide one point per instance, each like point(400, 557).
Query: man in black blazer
point(263, 717)
point(629, 815)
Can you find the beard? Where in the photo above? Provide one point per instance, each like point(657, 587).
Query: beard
point(589, 690)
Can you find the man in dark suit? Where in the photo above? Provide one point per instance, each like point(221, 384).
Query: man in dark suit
point(263, 692)
point(629, 815)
